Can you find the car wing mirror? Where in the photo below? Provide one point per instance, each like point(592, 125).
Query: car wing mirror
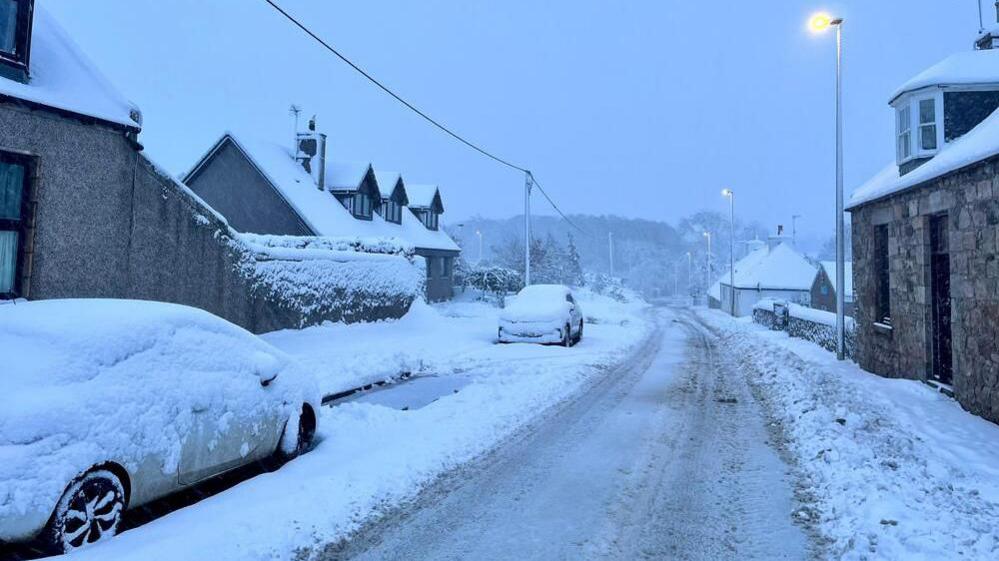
point(266, 367)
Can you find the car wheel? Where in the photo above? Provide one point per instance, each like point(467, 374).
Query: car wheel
point(298, 435)
point(89, 511)
point(567, 336)
point(579, 334)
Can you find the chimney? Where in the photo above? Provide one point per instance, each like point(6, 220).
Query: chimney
point(774, 241)
point(311, 153)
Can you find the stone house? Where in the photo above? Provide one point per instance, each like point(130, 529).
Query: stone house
point(270, 189)
point(824, 288)
point(84, 213)
point(925, 235)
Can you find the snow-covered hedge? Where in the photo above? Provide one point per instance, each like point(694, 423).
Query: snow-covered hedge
point(802, 322)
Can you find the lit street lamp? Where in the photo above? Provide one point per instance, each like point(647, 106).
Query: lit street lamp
point(820, 23)
point(731, 247)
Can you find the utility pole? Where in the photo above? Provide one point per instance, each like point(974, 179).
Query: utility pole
point(690, 268)
point(528, 184)
point(707, 274)
point(731, 248)
point(610, 245)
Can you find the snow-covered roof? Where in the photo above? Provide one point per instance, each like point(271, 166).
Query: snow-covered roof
point(830, 268)
point(422, 196)
point(62, 77)
point(962, 69)
point(387, 183)
point(320, 210)
point(981, 143)
point(780, 268)
point(346, 176)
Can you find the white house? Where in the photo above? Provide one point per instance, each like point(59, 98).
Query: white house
point(768, 272)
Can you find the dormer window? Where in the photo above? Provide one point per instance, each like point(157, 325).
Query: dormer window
point(15, 38)
point(430, 219)
point(363, 205)
point(919, 127)
point(391, 211)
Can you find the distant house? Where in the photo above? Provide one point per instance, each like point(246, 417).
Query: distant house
point(824, 288)
point(270, 189)
point(85, 214)
point(925, 249)
point(776, 270)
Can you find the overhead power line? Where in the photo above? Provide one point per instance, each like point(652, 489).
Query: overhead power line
point(419, 112)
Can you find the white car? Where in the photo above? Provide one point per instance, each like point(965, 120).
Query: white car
point(542, 313)
point(106, 405)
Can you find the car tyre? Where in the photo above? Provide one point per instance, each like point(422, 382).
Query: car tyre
point(89, 511)
point(567, 336)
point(299, 435)
point(579, 334)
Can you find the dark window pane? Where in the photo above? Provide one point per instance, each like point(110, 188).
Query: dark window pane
point(11, 187)
point(8, 260)
point(927, 111)
point(928, 137)
point(8, 26)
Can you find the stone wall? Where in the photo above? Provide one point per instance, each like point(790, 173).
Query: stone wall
point(970, 198)
point(109, 224)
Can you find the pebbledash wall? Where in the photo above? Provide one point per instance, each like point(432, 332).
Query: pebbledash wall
point(970, 199)
point(108, 224)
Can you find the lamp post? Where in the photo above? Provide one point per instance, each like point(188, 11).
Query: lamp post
point(707, 274)
point(731, 247)
point(478, 233)
point(690, 268)
point(819, 23)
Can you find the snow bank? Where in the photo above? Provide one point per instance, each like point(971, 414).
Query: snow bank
point(91, 381)
point(369, 457)
point(889, 469)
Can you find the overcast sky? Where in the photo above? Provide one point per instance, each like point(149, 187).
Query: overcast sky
point(637, 108)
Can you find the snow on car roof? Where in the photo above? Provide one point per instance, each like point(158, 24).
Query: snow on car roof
point(779, 268)
point(545, 290)
point(981, 143)
point(62, 77)
point(321, 211)
point(960, 69)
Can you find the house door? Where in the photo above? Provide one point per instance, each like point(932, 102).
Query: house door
point(943, 368)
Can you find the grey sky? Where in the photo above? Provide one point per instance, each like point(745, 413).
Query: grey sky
point(642, 109)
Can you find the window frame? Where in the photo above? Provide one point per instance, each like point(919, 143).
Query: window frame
point(363, 205)
point(392, 211)
point(909, 126)
point(22, 225)
point(882, 268)
point(15, 65)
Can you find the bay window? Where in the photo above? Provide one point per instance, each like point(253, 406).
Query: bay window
point(904, 129)
point(15, 38)
point(928, 124)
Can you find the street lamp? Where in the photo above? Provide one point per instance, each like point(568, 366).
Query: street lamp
point(820, 23)
point(707, 274)
point(479, 234)
point(731, 247)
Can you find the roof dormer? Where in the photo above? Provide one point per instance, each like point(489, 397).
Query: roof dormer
point(942, 104)
point(15, 38)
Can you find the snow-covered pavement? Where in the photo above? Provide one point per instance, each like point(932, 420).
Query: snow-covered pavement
point(668, 457)
point(887, 469)
point(372, 457)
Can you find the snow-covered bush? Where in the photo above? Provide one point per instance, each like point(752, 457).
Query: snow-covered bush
point(493, 281)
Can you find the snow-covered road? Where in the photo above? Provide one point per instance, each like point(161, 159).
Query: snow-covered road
point(667, 457)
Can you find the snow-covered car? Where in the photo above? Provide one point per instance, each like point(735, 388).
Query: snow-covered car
point(542, 313)
point(106, 405)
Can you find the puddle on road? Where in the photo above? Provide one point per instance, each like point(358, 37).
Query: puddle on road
point(414, 393)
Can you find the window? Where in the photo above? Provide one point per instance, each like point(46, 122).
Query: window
point(347, 202)
point(447, 264)
point(904, 128)
point(430, 219)
point(881, 264)
point(430, 267)
point(392, 211)
point(13, 215)
point(928, 124)
point(362, 205)
point(15, 32)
